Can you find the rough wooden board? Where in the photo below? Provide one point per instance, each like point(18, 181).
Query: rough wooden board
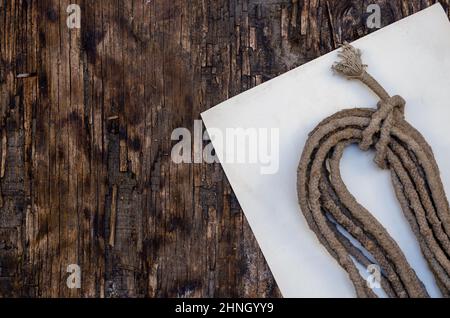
point(91, 122)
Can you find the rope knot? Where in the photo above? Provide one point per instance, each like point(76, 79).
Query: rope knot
point(383, 119)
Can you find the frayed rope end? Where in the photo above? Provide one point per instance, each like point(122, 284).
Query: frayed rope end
point(351, 64)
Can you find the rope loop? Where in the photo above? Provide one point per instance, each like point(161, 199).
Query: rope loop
point(334, 214)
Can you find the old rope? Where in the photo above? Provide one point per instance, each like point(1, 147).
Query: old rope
point(329, 207)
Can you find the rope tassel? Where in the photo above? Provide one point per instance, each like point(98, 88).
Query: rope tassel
point(328, 206)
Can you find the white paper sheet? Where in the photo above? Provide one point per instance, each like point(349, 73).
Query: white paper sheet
point(411, 58)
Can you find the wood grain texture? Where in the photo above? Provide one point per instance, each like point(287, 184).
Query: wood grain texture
point(86, 117)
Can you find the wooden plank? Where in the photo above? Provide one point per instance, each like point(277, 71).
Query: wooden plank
point(86, 117)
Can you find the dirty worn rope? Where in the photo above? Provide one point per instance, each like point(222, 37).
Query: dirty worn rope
point(329, 207)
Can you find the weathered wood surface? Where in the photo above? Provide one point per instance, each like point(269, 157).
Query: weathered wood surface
point(85, 169)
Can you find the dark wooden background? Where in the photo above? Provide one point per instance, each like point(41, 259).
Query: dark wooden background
point(85, 170)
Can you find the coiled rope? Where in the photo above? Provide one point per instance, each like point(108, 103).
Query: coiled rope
point(329, 207)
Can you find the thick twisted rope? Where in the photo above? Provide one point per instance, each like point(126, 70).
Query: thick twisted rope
point(329, 207)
